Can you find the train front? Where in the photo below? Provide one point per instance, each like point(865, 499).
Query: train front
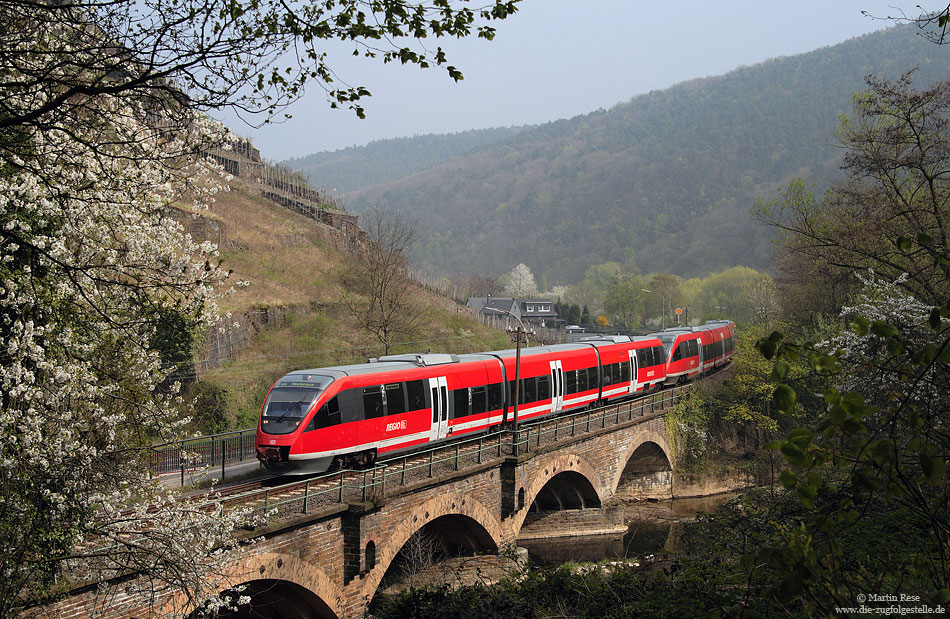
point(287, 410)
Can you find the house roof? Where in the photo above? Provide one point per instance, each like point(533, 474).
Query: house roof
point(485, 305)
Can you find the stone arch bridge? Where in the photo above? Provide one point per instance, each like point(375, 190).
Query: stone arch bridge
point(327, 560)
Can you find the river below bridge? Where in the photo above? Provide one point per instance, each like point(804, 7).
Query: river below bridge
point(650, 527)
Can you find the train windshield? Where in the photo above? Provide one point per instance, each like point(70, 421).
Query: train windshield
point(289, 402)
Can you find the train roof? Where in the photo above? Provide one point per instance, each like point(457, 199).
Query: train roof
point(382, 364)
point(532, 350)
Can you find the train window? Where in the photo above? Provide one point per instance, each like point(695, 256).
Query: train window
point(544, 387)
point(326, 416)
point(461, 398)
point(351, 405)
point(659, 356)
point(584, 382)
point(571, 380)
point(644, 357)
point(529, 390)
point(479, 400)
point(625, 371)
point(372, 402)
point(395, 399)
point(495, 399)
point(678, 353)
point(416, 392)
point(435, 405)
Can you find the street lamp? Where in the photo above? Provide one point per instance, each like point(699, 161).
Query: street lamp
point(663, 314)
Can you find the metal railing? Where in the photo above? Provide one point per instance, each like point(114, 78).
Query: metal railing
point(352, 486)
point(554, 429)
point(203, 451)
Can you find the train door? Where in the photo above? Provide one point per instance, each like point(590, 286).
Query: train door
point(557, 386)
point(702, 349)
point(634, 371)
point(439, 394)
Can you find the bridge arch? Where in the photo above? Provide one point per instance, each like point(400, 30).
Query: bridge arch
point(278, 578)
point(648, 454)
point(480, 527)
point(549, 468)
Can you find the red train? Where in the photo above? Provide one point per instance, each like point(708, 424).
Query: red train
point(351, 413)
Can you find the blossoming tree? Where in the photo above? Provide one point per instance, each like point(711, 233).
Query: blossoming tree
point(100, 128)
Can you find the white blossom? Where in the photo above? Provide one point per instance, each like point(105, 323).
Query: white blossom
point(888, 302)
point(90, 251)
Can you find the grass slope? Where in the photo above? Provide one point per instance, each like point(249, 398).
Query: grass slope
point(292, 261)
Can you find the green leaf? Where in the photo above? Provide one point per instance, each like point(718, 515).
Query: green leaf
point(934, 468)
point(860, 325)
point(903, 243)
point(780, 371)
point(829, 364)
point(800, 436)
point(934, 320)
point(852, 426)
point(837, 415)
point(894, 346)
point(784, 398)
point(925, 239)
point(788, 479)
point(772, 445)
point(865, 479)
point(853, 403)
point(941, 597)
point(793, 453)
point(883, 329)
point(807, 494)
point(883, 451)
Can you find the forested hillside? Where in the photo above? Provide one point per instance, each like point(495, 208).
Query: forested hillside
point(670, 175)
point(387, 160)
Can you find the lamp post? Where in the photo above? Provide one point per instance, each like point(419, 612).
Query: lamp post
point(663, 314)
point(520, 330)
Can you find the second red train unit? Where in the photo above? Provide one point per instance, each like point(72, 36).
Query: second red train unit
point(351, 413)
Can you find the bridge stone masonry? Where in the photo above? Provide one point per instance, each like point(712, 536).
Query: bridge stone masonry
point(329, 543)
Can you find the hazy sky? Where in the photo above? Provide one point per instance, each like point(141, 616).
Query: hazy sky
point(560, 58)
